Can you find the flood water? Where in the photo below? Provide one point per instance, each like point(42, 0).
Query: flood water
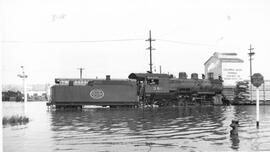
point(158, 129)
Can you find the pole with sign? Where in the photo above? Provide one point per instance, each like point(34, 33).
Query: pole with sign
point(257, 81)
point(24, 76)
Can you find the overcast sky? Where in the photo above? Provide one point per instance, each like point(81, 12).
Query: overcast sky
point(52, 38)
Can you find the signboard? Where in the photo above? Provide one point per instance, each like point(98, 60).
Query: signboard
point(257, 79)
point(232, 73)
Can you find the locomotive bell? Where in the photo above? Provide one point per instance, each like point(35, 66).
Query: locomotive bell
point(203, 76)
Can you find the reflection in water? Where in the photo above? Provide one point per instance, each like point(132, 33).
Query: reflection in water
point(179, 128)
point(202, 128)
point(234, 134)
point(235, 141)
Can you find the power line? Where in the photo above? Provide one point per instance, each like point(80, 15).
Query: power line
point(104, 41)
point(95, 41)
point(185, 43)
point(75, 41)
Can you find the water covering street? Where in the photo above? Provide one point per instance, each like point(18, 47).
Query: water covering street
point(200, 128)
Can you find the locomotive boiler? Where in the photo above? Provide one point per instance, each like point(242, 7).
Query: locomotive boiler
point(141, 89)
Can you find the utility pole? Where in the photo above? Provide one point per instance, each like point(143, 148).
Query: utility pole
point(250, 61)
point(1, 109)
point(150, 48)
point(264, 93)
point(81, 69)
point(160, 69)
point(24, 76)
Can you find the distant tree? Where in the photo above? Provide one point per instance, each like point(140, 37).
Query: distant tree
point(241, 92)
point(8, 95)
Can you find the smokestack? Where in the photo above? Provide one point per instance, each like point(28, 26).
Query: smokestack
point(182, 75)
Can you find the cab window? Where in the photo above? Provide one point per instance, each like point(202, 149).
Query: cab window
point(153, 81)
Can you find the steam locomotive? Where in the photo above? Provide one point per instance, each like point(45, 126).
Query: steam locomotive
point(141, 89)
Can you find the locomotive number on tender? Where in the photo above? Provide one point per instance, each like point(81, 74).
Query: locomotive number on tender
point(97, 94)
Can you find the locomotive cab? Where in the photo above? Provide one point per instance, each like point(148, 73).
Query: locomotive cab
point(151, 83)
point(156, 85)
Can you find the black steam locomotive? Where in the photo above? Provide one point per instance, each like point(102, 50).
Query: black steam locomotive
point(164, 90)
point(141, 89)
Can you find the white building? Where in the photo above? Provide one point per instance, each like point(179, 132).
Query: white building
point(229, 67)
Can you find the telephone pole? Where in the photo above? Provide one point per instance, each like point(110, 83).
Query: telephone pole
point(81, 69)
point(250, 62)
point(24, 76)
point(150, 48)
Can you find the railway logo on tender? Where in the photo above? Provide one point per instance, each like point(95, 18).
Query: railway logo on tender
point(97, 94)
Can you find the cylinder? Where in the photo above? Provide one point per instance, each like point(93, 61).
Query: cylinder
point(182, 75)
point(194, 76)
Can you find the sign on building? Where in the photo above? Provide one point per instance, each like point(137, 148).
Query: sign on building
point(232, 73)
